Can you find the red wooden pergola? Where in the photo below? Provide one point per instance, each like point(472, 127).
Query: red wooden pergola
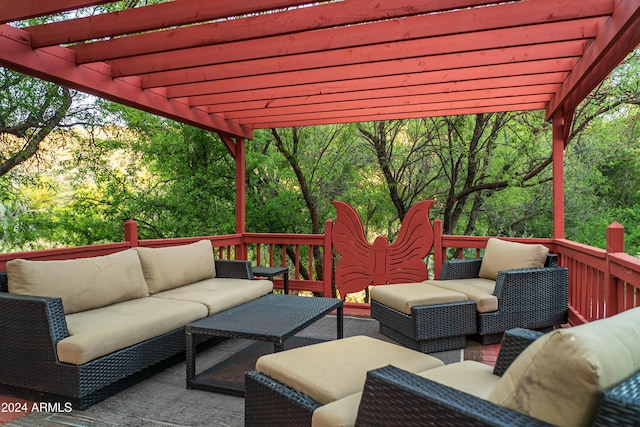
point(233, 66)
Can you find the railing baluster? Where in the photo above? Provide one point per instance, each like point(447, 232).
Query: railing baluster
point(310, 268)
point(297, 262)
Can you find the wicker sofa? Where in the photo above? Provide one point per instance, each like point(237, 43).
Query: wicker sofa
point(80, 330)
point(581, 376)
point(513, 285)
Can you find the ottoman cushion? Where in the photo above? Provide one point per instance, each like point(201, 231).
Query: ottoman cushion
point(334, 369)
point(404, 296)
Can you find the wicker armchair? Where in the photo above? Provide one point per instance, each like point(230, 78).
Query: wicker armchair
point(532, 298)
point(585, 375)
point(394, 397)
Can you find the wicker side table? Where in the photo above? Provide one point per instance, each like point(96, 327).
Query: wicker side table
point(270, 272)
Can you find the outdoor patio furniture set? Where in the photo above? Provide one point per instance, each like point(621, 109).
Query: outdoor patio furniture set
point(81, 330)
point(580, 376)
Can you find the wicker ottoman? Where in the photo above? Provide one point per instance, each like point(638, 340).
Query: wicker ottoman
point(288, 386)
point(423, 317)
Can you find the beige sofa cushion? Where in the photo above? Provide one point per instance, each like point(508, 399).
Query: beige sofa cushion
point(477, 290)
point(83, 283)
point(404, 296)
point(559, 378)
point(504, 255)
point(334, 369)
point(98, 332)
point(170, 267)
point(220, 293)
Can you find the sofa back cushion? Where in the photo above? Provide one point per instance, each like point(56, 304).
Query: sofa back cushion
point(83, 283)
point(174, 266)
point(560, 377)
point(504, 255)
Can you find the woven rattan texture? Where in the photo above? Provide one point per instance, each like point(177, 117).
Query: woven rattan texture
point(269, 403)
point(621, 404)
point(4, 282)
point(429, 328)
point(426, 346)
point(238, 269)
point(514, 342)
point(269, 318)
point(393, 397)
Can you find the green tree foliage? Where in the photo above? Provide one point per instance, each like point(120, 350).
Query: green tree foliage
point(294, 175)
point(29, 111)
point(461, 162)
point(173, 179)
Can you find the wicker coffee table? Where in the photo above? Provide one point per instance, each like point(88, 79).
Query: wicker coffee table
point(271, 319)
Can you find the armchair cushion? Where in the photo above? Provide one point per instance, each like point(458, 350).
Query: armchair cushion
point(560, 377)
point(469, 376)
point(504, 255)
point(477, 290)
point(170, 267)
point(83, 283)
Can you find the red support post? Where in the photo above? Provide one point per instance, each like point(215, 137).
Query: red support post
point(613, 294)
point(559, 143)
point(615, 238)
point(438, 251)
point(327, 269)
point(131, 232)
point(241, 201)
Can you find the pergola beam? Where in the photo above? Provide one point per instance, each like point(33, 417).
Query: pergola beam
point(440, 53)
point(541, 93)
point(617, 36)
point(416, 81)
point(232, 66)
point(468, 66)
point(439, 33)
point(56, 64)
point(549, 80)
point(152, 17)
point(476, 104)
point(313, 121)
point(25, 9)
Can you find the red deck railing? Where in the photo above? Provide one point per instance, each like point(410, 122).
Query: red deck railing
point(601, 282)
